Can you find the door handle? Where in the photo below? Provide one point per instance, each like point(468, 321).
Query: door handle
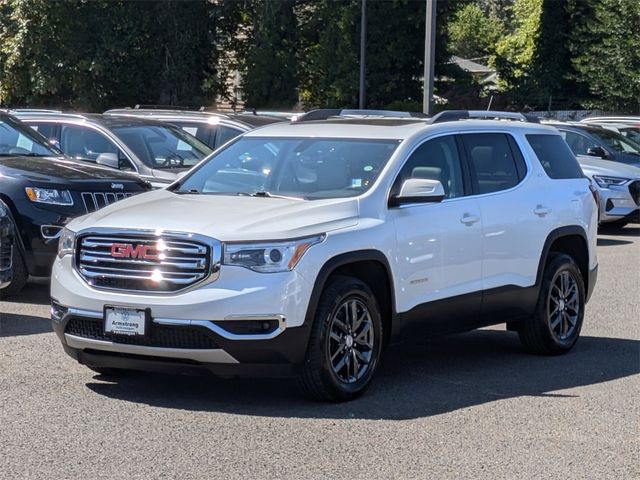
point(469, 219)
point(541, 210)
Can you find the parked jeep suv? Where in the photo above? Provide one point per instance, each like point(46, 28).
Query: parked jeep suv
point(42, 191)
point(303, 249)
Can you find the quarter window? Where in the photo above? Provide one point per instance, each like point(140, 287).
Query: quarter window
point(556, 157)
point(492, 162)
point(436, 159)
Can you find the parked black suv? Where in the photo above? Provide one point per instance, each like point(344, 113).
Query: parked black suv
point(43, 190)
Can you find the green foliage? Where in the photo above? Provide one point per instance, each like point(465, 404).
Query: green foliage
point(472, 33)
point(270, 64)
point(97, 54)
point(515, 52)
point(605, 45)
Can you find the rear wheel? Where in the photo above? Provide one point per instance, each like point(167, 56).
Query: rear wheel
point(555, 326)
point(345, 343)
point(19, 276)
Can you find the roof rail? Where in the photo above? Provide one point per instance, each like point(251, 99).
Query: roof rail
point(454, 115)
point(161, 107)
point(34, 110)
point(326, 113)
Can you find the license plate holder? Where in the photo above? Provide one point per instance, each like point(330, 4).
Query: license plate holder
point(126, 321)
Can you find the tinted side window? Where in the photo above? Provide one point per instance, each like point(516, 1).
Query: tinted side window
point(556, 157)
point(225, 134)
point(492, 163)
point(84, 142)
point(45, 129)
point(202, 131)
point(436, 159)
point(579, 144)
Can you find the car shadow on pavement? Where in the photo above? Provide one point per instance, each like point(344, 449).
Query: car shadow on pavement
point(14, 325)
point(416, 380)
point(36, 291)
point(608, 242)
point(626, 231)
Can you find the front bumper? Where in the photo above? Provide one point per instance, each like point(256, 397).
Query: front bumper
point(616, 203)
point(198, 330)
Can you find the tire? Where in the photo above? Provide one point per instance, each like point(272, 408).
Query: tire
point(20, 275)
point(555, 326)
point(356, 345)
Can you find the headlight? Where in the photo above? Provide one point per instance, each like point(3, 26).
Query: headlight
point(605, 182)
point(51, 196)
point(66, 242)
point(269, 257)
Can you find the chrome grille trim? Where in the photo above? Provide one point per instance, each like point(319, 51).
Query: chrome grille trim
point(189, 260)
point(95, 200)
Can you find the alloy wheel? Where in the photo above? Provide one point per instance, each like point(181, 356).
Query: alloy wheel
point(564, 305)
point(351, 341)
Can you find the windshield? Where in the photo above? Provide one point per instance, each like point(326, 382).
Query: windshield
point(18, 139)
point(616, 141)
point(309, 168)
point(160, 146)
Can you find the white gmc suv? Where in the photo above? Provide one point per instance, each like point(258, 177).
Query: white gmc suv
point(303, 249)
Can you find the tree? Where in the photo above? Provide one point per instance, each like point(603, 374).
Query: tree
point(92, 55)
point(605, 46)
point(270, 64)
point(472, 33)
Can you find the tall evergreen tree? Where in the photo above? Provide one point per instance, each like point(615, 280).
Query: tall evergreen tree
point(605, 46)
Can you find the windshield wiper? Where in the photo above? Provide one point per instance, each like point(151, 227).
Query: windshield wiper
point(264, 193)
point(193, 191)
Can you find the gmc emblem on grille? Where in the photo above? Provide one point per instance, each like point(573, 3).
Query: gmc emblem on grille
point(127, 250)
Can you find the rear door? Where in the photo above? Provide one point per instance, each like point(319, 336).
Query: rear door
point(516, 216)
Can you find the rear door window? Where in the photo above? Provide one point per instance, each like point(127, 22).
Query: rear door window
point(204, 132)
point(493, 166)
point(225, 134)
point(556, 157)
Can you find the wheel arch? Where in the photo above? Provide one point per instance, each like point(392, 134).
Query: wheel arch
point(369, 266)
point(571, 240)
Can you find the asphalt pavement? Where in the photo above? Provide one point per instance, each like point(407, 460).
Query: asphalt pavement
point(466, 406)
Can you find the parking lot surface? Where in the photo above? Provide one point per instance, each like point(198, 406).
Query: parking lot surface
point(466, 406)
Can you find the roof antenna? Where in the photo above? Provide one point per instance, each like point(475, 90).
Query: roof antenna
point(490, 102)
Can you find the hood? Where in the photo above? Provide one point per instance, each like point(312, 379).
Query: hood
point(597, 166)
point(226, 218)
point(58, 170)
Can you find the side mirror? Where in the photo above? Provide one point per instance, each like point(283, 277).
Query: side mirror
point(597, 152)
point(108, 160)
point(418, 190)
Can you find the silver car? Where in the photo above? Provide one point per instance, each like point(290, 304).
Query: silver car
point(619, 188)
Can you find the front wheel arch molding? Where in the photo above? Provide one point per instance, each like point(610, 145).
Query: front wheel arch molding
point(342, 260)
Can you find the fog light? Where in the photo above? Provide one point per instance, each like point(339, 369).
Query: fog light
point(609, 205)
point(57, 312)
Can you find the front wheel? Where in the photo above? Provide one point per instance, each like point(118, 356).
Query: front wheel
point(345, 343)
point(555, 326)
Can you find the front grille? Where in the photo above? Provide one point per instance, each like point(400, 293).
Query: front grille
point(634, 190)
point(96, 200)
point(161, 336)
point(142, 262)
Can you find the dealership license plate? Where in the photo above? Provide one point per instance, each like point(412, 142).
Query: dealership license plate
point(125, 321)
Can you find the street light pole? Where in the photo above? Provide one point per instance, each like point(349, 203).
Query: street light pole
point(429, 56)
point(363, 53)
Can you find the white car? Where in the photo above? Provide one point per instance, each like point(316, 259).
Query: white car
point(303, 249)
point(618, 187)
